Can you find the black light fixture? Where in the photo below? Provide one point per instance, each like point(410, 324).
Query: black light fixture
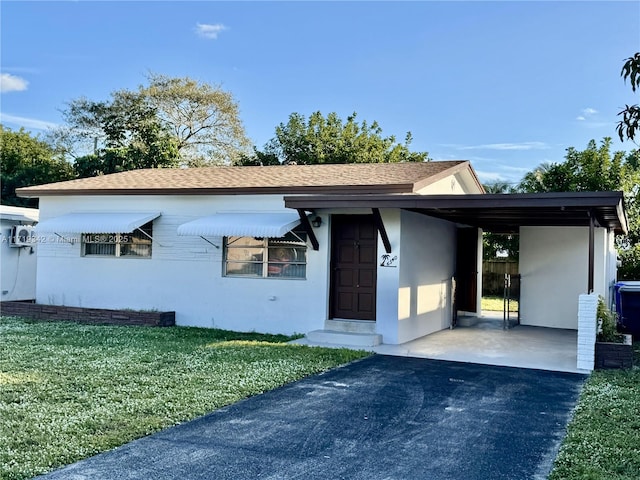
point(316, 222)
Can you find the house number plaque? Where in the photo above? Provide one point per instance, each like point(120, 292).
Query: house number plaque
point(388, 260)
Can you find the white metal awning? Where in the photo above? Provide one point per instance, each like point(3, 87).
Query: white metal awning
point(270, 225)
point(96, 222)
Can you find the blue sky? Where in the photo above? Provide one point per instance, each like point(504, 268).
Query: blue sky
point(506, 85)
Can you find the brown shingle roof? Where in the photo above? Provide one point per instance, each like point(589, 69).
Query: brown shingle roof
point(344, 178)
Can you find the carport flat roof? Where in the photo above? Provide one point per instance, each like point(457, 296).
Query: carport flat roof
point(500, 213)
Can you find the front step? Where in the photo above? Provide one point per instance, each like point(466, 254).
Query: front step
point(351, 326)
point(467, 321)
point(334, 337)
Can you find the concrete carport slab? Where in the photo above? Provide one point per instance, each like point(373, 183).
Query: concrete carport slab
point(383, 417)
point(488, 343)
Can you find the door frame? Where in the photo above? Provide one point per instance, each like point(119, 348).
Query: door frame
point(337, 220)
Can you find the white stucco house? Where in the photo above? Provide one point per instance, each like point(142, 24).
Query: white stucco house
point(17, 253)
point(303, 248)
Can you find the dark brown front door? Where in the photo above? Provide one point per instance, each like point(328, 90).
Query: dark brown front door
point(354, 246)
point(467, 269)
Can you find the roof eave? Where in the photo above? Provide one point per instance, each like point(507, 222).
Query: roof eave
point(622, 215)
point(500, 206)
point(468, 200)
point(31, 192)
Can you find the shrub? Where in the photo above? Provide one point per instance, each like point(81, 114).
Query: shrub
point(607, 324)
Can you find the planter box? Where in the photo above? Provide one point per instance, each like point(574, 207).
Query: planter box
point(95, 316)
point(614, 355)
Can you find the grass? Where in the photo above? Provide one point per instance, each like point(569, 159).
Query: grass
point(496, 304)
point(69, 391)
point(603, 438)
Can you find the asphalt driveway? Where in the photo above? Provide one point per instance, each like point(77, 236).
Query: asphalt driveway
point(382, 417)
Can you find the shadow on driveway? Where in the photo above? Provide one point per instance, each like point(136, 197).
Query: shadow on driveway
point(382, 417)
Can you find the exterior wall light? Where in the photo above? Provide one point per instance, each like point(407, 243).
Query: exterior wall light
point(316, 222)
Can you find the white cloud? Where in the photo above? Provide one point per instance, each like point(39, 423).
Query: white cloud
point(517, 170)
point(586, 113)
point(493, 176)
point(499, 172)
point(27, 122)
point(11, 83)
point(504, 146)
point(205, 30)
point(490, 177)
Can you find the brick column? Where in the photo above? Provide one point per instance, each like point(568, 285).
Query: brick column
point(587, 327)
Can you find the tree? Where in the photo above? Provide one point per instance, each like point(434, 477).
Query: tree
point(630, 122)
point(204, 119)
point(629, 246)
point(25, 161)
point(132, 135)
point(171, 122)
point(258, 159)
point(591, 170)
point(544, 178)
point(493, 243)
point(597, 169)
point(330, 140)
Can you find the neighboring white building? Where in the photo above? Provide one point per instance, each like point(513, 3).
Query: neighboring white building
point(297, 248)
point(17, 257)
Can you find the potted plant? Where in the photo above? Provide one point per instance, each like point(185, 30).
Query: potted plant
point(613, 349)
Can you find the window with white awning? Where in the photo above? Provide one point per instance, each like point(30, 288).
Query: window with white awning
point(106, 234)
point(265, 245)
point(96, 222)
point(269, 225)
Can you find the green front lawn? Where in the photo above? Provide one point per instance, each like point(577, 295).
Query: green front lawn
point(68, 391)
point(603, 439)
point(496, 304)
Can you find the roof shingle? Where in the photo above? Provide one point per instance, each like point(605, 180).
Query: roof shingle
point(343, 178)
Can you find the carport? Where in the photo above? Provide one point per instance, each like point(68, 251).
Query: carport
point(596, 216)
point(497, 213)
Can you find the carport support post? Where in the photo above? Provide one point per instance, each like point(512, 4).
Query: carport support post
point(591, 250)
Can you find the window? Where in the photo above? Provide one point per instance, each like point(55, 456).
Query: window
point(135, 244)
point(284, 257)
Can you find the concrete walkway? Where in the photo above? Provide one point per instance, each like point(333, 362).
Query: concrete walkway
point(488, 343)
point(384, 417)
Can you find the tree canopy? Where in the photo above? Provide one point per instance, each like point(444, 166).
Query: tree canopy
point(590, 170)
point(203, 119)
point(319, 139)
point(26, 160)
point(170, 122)
point(132, 135)
point(598, 169)
point(630, 123)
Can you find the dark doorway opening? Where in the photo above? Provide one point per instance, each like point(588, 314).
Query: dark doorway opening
point(466, 279)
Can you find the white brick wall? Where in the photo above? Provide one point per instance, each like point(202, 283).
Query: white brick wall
point(587, 327)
